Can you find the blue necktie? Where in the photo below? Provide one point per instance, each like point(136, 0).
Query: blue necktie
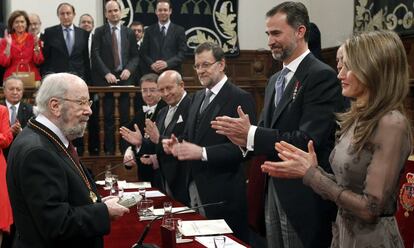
point(69, 40)
point(13, 114)
point(280, 85)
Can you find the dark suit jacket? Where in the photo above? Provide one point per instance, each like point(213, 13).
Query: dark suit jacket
point(305, 112)
point(145, 172)
point(57, 58)
point(221, 178)
point(50, 201)
point(102, 58)
point(172, 170)
point(24, 113)
point(172, 50)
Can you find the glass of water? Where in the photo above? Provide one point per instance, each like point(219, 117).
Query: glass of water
point(219, 241)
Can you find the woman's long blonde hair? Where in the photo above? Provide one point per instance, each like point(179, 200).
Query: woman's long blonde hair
point(379, 61)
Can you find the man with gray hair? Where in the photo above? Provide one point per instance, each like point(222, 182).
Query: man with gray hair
point(54, 200)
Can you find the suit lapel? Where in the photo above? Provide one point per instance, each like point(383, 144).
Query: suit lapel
point(299, 76)
point(212, 110)
point(61, 39)
point(193, 113)
point(124, 42)
point(286, 98)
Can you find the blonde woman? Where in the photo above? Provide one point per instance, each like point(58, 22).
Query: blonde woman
point(373, 145)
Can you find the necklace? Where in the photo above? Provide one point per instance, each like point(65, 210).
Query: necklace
point(78, 167)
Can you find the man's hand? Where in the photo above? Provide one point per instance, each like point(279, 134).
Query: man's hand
point(236, 129)
point(134, 138)
point(146, 159)
point(16, 128)
point(115, 210)
point(129, 158)
point(168, 144)
point(187, 151)
point(110, 78)
point(125, 74)
point(152, 131)
point(159, 66)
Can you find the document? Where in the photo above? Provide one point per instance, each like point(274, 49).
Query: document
point(208, 241)
point(134, 185)
point(205, 227)
point(160, 211)
point(153, 193)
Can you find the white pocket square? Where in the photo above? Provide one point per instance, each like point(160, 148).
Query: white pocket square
point(180, 119)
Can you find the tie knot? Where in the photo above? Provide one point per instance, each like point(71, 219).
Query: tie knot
point(209, 93)
point(114, 29)
point(13, 107)
point(162, 28)
point(68, 29)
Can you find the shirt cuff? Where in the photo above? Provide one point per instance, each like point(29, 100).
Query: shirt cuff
point(250, 138)
point(204, 154)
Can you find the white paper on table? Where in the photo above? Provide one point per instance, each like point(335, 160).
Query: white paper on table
point(134, 185)
point(205, 227)
point(100, 182)
point(208, 241)
point(160, 211)
point(153, 193)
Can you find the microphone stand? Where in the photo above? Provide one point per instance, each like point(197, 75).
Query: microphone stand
point(113, 167)
point(140, 244)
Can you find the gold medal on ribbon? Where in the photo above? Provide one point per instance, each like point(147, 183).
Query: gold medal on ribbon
point(407, 194)
point(93, 196)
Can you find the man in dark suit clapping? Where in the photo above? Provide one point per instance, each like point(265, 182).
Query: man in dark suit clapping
point(164, 42)
point(299, 105)
point(214, 161)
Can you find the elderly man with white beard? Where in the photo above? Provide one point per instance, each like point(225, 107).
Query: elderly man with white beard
point(54, 200)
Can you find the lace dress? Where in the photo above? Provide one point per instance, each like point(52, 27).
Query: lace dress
point(365, 186)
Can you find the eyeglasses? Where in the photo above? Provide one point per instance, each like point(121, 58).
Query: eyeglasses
point(151, 90)
point(204, 65)
point(79, 102)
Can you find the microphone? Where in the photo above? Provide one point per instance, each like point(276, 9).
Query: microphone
point(140, 244)
point(113, 167)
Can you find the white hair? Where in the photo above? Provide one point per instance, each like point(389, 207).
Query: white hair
point(53, 85)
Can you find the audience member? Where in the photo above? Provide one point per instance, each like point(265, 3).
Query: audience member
point(54, 200)
point(171, 120)
point(66, 46)
point(35, 25)
point(19, 111)
point(2, 28)
point(138, 29)
point(86, 22)
point(314, 41)
point(215, 163)
point(6, 137)
point(19, 50)
point(115, 59)
point(299, 105)
point(153, 104)
point(164, 44)
point(375, 141)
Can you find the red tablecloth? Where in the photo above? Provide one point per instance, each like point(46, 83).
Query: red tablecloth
point(127, 230)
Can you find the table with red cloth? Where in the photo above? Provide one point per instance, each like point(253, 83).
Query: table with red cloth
point(406, 222)
point(126, 230)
